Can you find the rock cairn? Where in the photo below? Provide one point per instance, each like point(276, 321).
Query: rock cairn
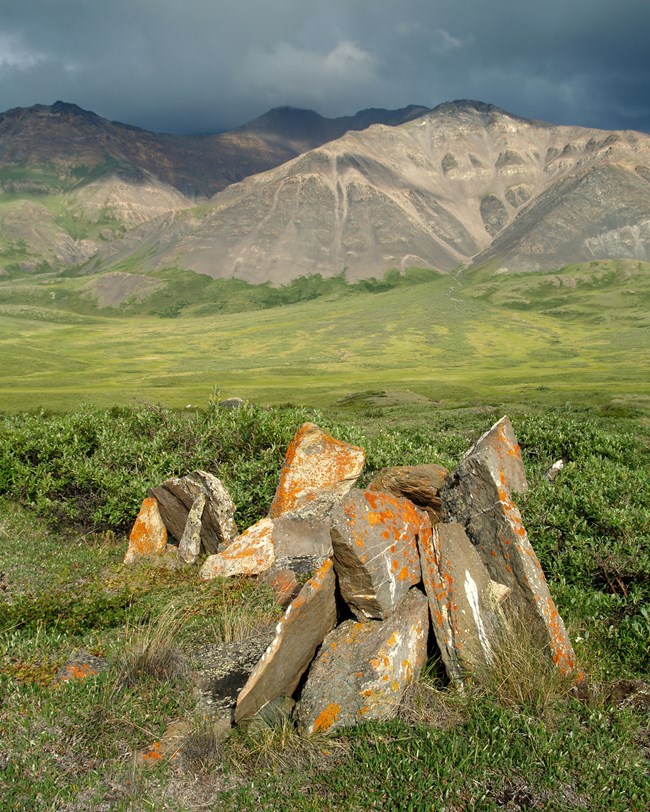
point(374, 580)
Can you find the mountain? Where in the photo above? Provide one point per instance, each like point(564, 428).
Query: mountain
point(76, 143)
point(464, 183)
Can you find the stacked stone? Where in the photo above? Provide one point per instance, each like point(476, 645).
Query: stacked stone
point(418, 550)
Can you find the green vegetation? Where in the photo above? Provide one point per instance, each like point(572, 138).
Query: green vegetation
point(70, 486)
point(579, 334)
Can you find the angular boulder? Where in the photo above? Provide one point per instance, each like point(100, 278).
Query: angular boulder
point(306, 621)
point(479, 496)
point(463, 600)
point(177, 496)
point(315, 462)
point(149, 534)
point(374, 536)
point(189, 547)
point(419, 483)
point(250, 554)
point(363, 668)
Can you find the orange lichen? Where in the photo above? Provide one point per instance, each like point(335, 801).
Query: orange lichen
point(77, 671)
point(327, 717)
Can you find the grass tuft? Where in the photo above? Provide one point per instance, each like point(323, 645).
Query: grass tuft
point(152, 652)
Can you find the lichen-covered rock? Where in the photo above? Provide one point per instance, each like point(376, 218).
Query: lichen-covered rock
point(463, 600)
point(176, 497)
point(419, 483)
point(250, 554)
point(374, 536)
point(149, 534)
point(479, 496)
point(304, 532)
point(302, 629)
point(284, 584)
point(80, 666)
point(190, 543)
point(363, 668)
point(315, 462)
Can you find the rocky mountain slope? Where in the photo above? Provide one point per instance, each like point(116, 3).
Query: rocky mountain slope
point(71, 180)
point(463, 183)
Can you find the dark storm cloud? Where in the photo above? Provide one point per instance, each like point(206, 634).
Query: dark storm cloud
point(202, 65)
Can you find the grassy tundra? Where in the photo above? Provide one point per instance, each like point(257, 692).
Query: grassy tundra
point(70, 485)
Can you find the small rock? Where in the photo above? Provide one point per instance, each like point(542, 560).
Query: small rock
point(232, 403)
point(419, 483)
point(363, 669)
point(315, 462)
point(149, 534)
point(554, 470)
point(376, 558)
point(302, 629)
point(80, 666)
point(249, 554)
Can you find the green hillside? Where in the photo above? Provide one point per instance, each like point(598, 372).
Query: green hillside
point(579, 333)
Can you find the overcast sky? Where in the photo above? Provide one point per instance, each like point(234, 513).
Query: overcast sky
point(189, 66)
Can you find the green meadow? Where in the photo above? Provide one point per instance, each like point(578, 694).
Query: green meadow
point(579, 333)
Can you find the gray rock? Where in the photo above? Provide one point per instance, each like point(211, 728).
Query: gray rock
point(190, 543)
point(375, 552)
point(307, 620)
point(464, 605)
point(176, 497)
point(479, 496)
point(363, 669)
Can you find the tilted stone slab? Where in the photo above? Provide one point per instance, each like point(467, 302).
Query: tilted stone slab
point(315, 462)
point(363, 668)
point(177, 496)
point(419, 483)
point(250, 554)
point(478, 496)
point(463, 600)
point(304, 532)
point(306, 621)
point(374, 536)
point(149, 534)
point(189, 547)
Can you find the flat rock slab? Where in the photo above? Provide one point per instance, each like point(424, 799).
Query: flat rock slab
point(374, 536)
point(479, 496)
point(363, 668)
point(315, 462)
point(250, 554)
point(284, 584)
point(463, 601)
point(149, 534)
point(302, 629)
point(419, 483)
point(304, 532)
point(177, 496)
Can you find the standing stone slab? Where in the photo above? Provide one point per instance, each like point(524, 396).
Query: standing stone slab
point(463, 601)
point(315, 462)
point(176, 497)
point(249, 554)
point(374, 536)
point(149, 534)
point(190, 543)
point(478, 496)
point(302, 629)
point(419, 483)
point(363, 669)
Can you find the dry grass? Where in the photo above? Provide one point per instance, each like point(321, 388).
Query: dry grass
point(151, 649)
